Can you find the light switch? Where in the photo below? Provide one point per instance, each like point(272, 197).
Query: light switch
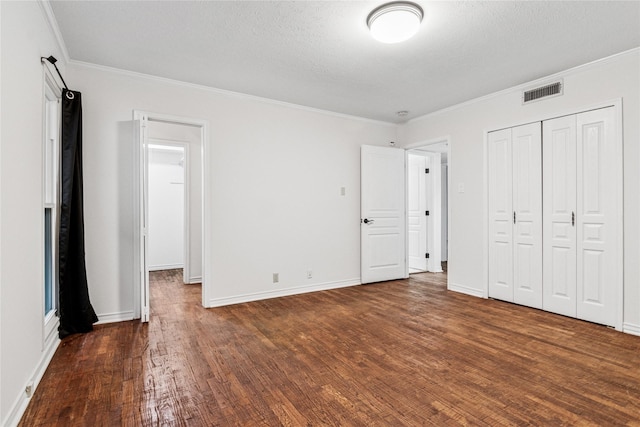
point(461, 188)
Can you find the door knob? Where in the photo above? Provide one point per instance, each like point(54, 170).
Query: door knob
point(367, 221)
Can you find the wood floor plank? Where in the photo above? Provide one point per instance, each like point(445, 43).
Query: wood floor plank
point(405, 352)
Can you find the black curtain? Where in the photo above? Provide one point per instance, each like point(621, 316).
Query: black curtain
point(76, 312)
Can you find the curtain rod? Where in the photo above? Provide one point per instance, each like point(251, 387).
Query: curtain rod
point(53, 61)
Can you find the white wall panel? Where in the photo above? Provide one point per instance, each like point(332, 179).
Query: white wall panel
point(276, 178)
point(25, 37)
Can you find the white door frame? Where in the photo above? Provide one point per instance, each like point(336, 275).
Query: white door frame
point(617, 105)
point(186, 199)
point(139, 115)
point(424, 144)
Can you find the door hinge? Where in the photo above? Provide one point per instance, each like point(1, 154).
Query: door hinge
point(426, 255)
point(426, 170)
point(426, 213)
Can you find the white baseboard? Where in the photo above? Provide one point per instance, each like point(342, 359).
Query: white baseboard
point(630, 328)
point(466, 290)
point(165, 267)
point(238, 299)
point(195, 279)
point(21, 401)
point(122, 316)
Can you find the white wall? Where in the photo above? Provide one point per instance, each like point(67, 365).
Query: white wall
point(276, 173)
point(25, 37)
point(189, 135)
point(166, 209)
point(465, 124)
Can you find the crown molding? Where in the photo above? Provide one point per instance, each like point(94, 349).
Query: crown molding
point(527, 85)
point(55, 29)
point(223, 92)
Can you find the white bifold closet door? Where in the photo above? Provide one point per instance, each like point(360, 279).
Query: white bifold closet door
point(581, 216)
point(515, 215)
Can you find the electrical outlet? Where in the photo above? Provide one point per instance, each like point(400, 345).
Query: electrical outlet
point(276, 277)
point(29, 389)
point(309, 274)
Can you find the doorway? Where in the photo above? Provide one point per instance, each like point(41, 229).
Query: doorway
point(170, 200)
point(169, 206)
point(427, 207)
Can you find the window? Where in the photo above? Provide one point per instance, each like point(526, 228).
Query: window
point(51, 154)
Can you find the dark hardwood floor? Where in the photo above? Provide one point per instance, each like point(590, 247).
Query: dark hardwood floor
point(394, 353)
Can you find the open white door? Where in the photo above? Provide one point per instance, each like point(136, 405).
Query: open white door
point(416, 212)
point(433, 210)
point(382, 222)
point(144, 217)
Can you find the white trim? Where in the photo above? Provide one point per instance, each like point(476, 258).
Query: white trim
point(618, 128)
point(165, 267)
point(433, 141)
point(55, 29)
point(224, 92)
point(194, 279)
point(630, 328)
point(455, 287)
point(1, 149)
point(20, 404)
point(520, 87)
point(297, 290)
point(206, 230)
point(485, 211)
point(121, 316)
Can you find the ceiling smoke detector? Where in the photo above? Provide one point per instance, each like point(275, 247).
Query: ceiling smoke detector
point(402, 113)
point(395, 22)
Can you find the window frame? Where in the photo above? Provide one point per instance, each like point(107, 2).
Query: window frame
point(51, 133)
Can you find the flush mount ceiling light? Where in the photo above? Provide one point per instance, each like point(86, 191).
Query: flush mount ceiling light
point(395, 22)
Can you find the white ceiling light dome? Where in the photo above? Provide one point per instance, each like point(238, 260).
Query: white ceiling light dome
point(395, 22)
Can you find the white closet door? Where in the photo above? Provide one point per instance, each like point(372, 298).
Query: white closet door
point(500, 215)
point(559, 202)
point(598, 217)
point(527, 207)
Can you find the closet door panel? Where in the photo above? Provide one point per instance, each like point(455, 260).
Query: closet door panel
point(527, 206)
point(597, 217)
point(559, 215)
point(500, 215)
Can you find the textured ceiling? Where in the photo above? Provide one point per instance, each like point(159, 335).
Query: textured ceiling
point(319, 53)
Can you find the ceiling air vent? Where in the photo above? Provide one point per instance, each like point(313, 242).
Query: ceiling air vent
point(546, 91)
